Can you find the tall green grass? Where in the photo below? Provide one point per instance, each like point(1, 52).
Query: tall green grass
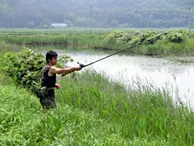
point(138, 115)
point(161, 48)
point(4, 48)
point(23, 123)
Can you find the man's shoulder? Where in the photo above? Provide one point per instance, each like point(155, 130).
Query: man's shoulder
point(52, 70)
point(46, 67)
point(53, 67)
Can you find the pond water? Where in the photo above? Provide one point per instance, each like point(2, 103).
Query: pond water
point(160, 73)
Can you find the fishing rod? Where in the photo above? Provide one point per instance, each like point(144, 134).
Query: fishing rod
point(82, 65)
point(130, 47)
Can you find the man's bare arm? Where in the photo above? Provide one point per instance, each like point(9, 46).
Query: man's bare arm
point(55, 70)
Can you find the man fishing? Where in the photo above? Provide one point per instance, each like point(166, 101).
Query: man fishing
point(48, 79)
point(49, 71)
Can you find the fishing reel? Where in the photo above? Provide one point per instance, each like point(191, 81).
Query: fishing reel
point(81, 65)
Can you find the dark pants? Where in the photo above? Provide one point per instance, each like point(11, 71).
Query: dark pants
point(47, 99)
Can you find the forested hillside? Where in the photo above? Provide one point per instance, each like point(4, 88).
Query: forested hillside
point(109, 13)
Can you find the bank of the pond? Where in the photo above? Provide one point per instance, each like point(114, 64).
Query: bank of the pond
point(176, 42)
point(95, 41)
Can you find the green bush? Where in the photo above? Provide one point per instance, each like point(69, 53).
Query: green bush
point(25, 67)
point(177, 36)
point(113, 36)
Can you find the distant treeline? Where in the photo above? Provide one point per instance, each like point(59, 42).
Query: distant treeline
point(97, 13)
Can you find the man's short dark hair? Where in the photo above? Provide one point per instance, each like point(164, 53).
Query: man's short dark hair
point(50, 54)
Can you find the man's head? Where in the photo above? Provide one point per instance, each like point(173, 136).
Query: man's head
point(51, 55)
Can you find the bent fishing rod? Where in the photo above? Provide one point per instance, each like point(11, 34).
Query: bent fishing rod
point(130, 47)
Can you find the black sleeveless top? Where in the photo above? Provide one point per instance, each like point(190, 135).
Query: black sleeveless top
point(46, 80)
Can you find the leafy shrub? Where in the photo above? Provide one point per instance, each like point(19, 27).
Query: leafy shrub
point(113, 36)
point(177, 36)
point(147, 38)
point(25, 67)
point(124, 39)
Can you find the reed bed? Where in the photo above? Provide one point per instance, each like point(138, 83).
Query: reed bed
point(141, 114)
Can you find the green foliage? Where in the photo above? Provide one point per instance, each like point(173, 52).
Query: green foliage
point(25, 67)
point(124, 38)
point(63, 59)
point(177, 36)
point(31, 39)
point(146, 38)
point(153, 42)
point(119, 37)
point(113, 36)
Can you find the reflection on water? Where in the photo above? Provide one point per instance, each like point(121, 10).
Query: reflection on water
point(161, 73)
